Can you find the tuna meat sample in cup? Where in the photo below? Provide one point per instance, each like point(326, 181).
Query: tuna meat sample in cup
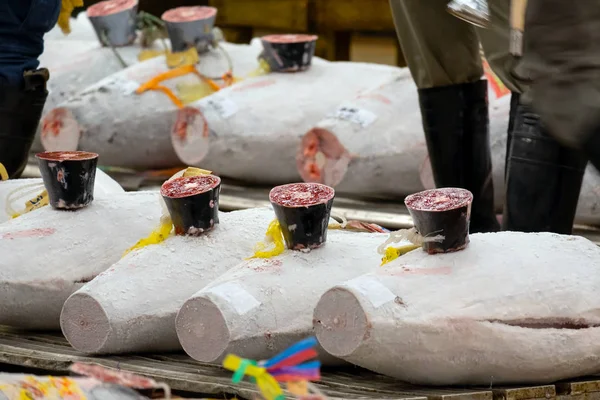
point(69, 177)
point(190, 27)
point(288, 53)
point(193, 203)
point(444, 212)
point(303, 211)
point(116, 19)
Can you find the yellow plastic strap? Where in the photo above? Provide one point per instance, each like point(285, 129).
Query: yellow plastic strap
point(3, 173)
point(66, 9)
point(391, 253)
point(274, 236)
point(268, 386)
point(148, 54)
point(166, 224)
point(263, 69)
point(154, 83)
point(183, 58)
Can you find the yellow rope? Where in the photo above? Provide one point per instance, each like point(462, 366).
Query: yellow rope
point(3, 173)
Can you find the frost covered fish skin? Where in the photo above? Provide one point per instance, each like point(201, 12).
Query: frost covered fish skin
point(262, 306)
point(104, 187)
point(127, 129)
point(48, 254)
point(131, 307)
point(512, 308)
point(251, 131)
point(373, 145)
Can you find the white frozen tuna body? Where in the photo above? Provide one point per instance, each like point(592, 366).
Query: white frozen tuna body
point(129, 129)
point(262, 306)
point(510, 308)
point(48, 254)
point(131, 307)
point(259, 122)
point(22, 190)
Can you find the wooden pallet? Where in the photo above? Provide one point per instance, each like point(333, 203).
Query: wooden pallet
point(52, 353)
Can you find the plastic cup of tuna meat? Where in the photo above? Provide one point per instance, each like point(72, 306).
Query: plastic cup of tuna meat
point(190, 27)
point(116, 19)
point(303, 211)
point(444, 212)
point(193, 203)
point(69, 177)
point(288, 53)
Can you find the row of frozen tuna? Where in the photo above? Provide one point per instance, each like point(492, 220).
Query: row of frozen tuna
point(510, 307)
point(353, 126)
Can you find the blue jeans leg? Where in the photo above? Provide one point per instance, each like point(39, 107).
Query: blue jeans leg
point(23, 24)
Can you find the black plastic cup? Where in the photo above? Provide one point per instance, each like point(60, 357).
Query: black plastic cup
point(303, 211)
point(116, 19)
point(69, 177)
point(445, 212)
point(288, 53)
point(190, 27)
point(193, 203)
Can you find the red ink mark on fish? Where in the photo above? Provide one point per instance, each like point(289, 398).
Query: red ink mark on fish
point(378, 97)
point(113, 376)
point(255, 85)
point(301, 194)
point(186, 118)
point(52, 123)
point(443, 199)
point(109, 7)
point(187, 14)
point(189, 186)
point(30, 233)
point(406, 271)
point(265, 265)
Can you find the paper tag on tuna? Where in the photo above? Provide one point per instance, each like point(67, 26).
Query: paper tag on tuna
point(372, 289)
point(355, 115)
point(223, 106)
point(237, 296)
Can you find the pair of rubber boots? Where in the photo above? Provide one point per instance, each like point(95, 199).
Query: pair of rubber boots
point(543, 179)
point(20, 113)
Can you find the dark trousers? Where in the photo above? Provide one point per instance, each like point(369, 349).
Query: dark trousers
point(23, 24)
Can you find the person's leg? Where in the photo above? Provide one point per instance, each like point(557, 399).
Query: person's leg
point(23, 24)
point(543, 178)
point(444, 59)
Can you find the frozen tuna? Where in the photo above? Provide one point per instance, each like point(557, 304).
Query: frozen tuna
point(114, 313)
point(510, 308)
point(58, 252)
point(262, 306)
point(129, 129)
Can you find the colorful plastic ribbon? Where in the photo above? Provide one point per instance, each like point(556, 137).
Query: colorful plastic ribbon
point(288, 366)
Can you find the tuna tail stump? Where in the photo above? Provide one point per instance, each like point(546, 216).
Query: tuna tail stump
point(288, 53)
point(190, 27)
point(303, 211)
point(193, 203)
point(69, 177)
point(445, 212)
point(116, 19)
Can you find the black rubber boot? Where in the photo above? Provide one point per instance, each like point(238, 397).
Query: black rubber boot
point(456, 124)
point(543, 179)
point(20, 113)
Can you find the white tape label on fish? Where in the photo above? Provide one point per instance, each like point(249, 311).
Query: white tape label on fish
point(373, 290)
point(237, 296)
point(224, 107)
point(355, 115)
